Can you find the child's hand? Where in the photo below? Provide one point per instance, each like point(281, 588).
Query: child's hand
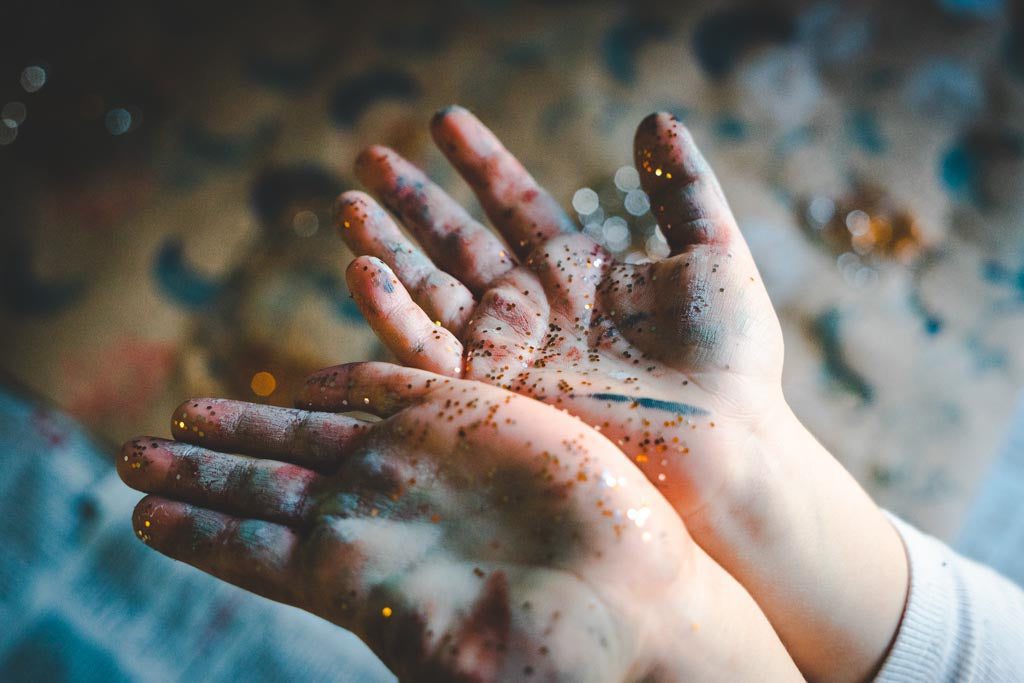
point(472, 534)
point(677, 361)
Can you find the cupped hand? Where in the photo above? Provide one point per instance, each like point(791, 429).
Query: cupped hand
point(470, 534)
point(678, 361)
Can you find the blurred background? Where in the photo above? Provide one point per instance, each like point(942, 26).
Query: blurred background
point(166, 176)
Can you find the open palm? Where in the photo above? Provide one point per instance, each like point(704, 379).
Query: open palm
point(471, 534)
point(675, 360)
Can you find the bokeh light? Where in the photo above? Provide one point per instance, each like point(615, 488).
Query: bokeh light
point(585, 201)
point(13, 114)
point(118, 121)
point(33, 78)
point(305, 223)
point(263, 383)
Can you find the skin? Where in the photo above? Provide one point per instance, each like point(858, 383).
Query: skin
point(678, 361)
point(471, 534)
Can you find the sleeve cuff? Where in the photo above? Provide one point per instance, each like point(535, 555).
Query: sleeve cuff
point(934, 641)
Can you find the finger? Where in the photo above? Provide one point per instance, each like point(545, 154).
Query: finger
point(252, 554)
point(415, 339)
point(379, 388)
point(457, 243)
point(685, 195)
point(524, 212)
point(367, 229)
point(235, 484)
point(314, 440)
point(507, 328)
point(570, 268)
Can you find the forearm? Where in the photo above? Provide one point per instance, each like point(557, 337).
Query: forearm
point(813, 549)
point(695, 635)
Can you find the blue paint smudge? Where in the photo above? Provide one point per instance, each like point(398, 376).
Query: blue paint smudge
point(864, 131)
point(962, 166)
point(623, 40)
point(957, 171)
point(355, 95)
point(994, 272)
point(985, 357)
point(24, 293)
point(826, 330)
point(179, 281)
point(933, 324)
point(794, 139)
point(945, 88)
point(723, 37)
point(54, 650)
point(657, 404)
point(731, 128)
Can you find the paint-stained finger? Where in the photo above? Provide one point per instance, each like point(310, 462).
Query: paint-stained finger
point(685, 195)
point(415, 339)
point(523, 211)
point(253, 554)
point(318, 441)
point(455, 241)
point(368, 230)
point(508, 326)
point(378, 388)
point(249, 487)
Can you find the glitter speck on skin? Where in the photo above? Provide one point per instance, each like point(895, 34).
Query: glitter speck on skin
point(263, 383)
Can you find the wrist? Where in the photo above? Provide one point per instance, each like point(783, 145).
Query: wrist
point(811, 546)
point(692, 632)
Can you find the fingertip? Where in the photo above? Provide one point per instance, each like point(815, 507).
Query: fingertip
point(444, 112)
point(368, 277)
point(352, 207)
point(665, 153)
point(314, 392)
point(369, 161)
point(155, 518)
point(129, 458)
point(195, 418)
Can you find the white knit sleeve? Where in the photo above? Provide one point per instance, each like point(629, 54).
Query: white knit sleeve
point(962, 621)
